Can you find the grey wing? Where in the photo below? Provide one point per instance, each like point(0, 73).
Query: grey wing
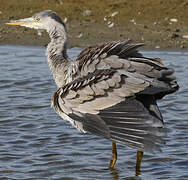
point(104, 103)
point(124, 57)
point(128, 123)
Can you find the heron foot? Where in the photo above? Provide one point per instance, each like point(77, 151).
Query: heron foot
point(114, 155)
point(138, 162)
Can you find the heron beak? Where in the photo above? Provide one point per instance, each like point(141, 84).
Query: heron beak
point(21, 22)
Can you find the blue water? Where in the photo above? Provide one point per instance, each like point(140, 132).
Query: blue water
point(35, 143)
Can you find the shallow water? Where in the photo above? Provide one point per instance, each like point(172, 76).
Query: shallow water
point(35, 143)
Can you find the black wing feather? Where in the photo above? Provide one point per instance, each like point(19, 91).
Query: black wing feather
point(129, 123)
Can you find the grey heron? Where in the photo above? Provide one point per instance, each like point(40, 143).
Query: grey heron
point(110, 90)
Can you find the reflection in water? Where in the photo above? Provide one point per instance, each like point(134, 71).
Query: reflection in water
point(35, 143)
point(115, 174)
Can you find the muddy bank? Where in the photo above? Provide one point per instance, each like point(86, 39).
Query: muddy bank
point(158, 23)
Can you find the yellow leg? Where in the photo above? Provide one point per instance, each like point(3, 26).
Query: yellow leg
point(114, 155)
point(138, 162)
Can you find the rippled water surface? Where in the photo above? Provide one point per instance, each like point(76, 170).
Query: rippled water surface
point(35, 143)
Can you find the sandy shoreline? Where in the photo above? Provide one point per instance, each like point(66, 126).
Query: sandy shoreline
point(159, 24)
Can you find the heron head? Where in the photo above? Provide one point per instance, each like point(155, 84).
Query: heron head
point(42, 20)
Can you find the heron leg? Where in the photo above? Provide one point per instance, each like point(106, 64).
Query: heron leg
point(138, 162)
point(114, 155)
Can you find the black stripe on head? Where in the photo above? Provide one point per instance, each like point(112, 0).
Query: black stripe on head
point(54, 16)
point(50, 13)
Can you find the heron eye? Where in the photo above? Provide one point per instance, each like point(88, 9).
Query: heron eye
point(37, 19)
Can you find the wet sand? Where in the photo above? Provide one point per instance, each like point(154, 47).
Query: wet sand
point(159, 24)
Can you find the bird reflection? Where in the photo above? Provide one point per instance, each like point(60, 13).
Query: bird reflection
point(116, 176)
point(115, 173)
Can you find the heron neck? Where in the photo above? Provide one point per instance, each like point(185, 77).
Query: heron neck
point(57, 48)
